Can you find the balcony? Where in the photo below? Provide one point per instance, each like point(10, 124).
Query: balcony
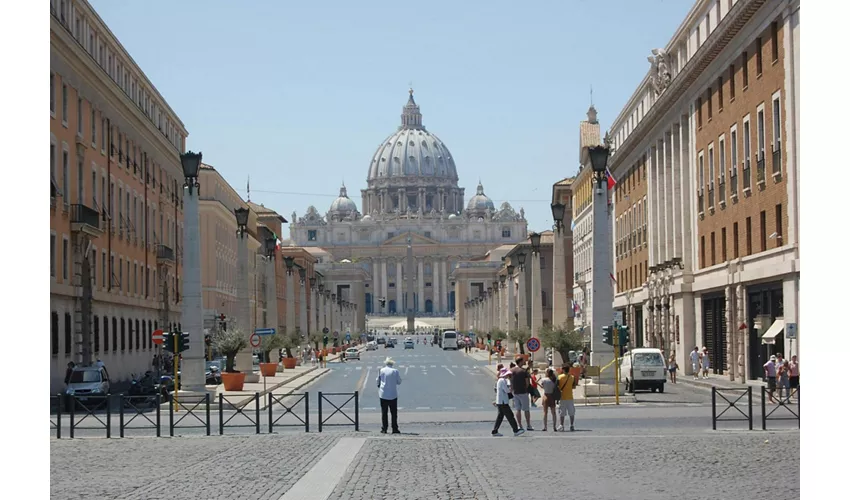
point(760, 171)
point(85, 220)
point(733, 185)
point(164, 254)
point(711, 198)
point(777, 160)
point(722, 191)
point(701, 204)
point(747, 183)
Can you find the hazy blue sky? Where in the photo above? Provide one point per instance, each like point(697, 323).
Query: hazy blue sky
point(298, 95)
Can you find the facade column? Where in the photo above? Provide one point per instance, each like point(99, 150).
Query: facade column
point(559, 279)
point(191, 312)
point(384, 281)
point(536, 295)
point(243, 361)
point(522, 311)
point(435, 286)
point(731, 328)
point(741, 334)
point(420, 299)
point(303, 325)
point(399, 286)
point(290, 301)
point(511, 284)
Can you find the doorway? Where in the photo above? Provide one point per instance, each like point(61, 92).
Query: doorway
point(763, 300)
point(714, 331)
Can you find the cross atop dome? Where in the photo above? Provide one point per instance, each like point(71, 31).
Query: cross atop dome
point(411, 118)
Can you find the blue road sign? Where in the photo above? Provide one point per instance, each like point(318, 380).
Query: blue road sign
point(533, 344)
point(264, 331)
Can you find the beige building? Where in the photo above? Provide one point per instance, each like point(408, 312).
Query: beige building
point(707, 162)
point(116, 200)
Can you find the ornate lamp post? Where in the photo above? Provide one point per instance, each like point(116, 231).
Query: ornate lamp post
point(536, 285)
point(244, 362)
point(560, 294)
point(289, 262)
point(603, 289)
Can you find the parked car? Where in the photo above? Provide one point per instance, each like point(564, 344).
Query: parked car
point(87, 381)
point(352, 353)
point(408, 344)
point(382, 340)
point(372, 346)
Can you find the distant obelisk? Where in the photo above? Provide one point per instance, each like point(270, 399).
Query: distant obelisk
point(409, 292)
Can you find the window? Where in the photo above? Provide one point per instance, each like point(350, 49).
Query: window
point(66, 177)
point(80, 116)
point(710, 176)
point(733, 160)
point(723, 244)
point(123, 335)
point(106, 334)
point(138, 336)
point(758, 56)
point(52, 255)
point(427, 234)
point(130, 333)
point(745, 73)
point(96, 333)
point(94, 188)
point(311, 235)
point(54, 333)
point(543, 301)
point(777, 135)
point(721, 154)
point(94, 268)
point(699, 112)
point(735, 251)
point(749, 240)
point(731, 82)
point(506, 233)
point(65, 259)
point(701, 188)
point(702, 252)
point(778, 217)
point(64, 105)
point(774, 41)
point(52, 95)
point(747, 158)
point(103, 269)
point(699, 38)
point(390, 235)
point(760, 132)
point(720, 94)
point(713, 256)
point(68, 334)
point(763, 230)
point(708, 99)
point(708, 22)
point(93, 129)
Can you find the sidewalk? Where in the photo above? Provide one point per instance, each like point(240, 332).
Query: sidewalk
point(719, 381)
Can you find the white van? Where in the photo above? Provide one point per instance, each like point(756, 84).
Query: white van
point(449, 340)
point(643, 368)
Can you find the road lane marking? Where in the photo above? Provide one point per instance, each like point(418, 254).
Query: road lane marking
point(449, 408)
point(419, 407)
point(362, 382)
point(476, 407)
point(454, 366)
point(405, 371)
point(319, 482)
point(432, 366)
point(446, 367)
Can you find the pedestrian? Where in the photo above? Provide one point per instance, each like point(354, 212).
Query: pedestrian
point(535, 392)
point(99, 363)
point(388, 381)
point(520, 381)
point(782, 380)
point(706, 362)
point(672, 366)
point(770, 375)
point(695, 362)
point(794, 375)
point(68, 371)
point(550, 385)
point(584, 360)
point(566, 384)
point(501, 404)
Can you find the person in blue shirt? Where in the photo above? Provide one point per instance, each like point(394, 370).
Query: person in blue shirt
point(388, 381)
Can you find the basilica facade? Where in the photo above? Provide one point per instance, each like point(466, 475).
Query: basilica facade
point(412, 197)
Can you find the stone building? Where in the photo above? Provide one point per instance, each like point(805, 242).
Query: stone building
point(706, 154)
point(411, 193)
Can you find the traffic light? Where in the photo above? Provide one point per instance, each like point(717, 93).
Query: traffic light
point(168, 342)
point(207, 340)
point(625, 338)
point(325, 340)
point(488, 336)
point(607, 335)
point(183, 342)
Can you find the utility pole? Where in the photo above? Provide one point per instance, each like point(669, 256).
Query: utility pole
point(616, 339)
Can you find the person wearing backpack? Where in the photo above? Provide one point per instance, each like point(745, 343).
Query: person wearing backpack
point(566, 384)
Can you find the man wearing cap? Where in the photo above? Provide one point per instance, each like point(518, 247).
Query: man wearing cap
point(388, 381)
point(502, 405)
point(695, 362)
point(770, 375)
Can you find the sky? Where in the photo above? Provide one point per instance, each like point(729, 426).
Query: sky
point(297, 96)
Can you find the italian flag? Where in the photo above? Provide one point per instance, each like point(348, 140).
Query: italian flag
point(277, 241)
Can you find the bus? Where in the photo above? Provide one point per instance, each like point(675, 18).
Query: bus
point(449, 340)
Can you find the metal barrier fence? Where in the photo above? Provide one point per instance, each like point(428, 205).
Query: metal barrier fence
point(181, 403)
point(730, 404)
point(786, 403)
point(275, 401)
point(90, 406)
point(323, 397)
point(56, 406)
point(222, 423)
point(138, 405)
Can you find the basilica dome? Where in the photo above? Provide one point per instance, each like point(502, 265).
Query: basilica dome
point(480, 202)
point(413, 152)
point(343, 206)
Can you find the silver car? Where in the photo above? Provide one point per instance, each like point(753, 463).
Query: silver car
point(88, 381)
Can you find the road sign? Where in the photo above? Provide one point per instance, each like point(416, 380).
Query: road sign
point(618, 317)
point(255, 340)
point(533, 344)
point(336, 334)
point(264, 331)
point(791, 331)
point(157, 337)
point(325, 330)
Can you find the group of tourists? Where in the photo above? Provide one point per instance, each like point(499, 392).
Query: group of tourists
point(784, 375)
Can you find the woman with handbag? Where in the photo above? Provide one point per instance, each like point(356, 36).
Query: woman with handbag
point(549, 384)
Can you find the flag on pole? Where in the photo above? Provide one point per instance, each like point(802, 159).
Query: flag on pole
point(611, 181)
point(613, 278)
point(277, 241)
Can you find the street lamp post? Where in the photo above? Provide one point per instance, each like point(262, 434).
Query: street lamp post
point(289, 261)
point(271, 289)
point(244, 362)
point(510, 290)
point(560, 315)
point(536, 285)
point(522, 297)
point(603, 290)
point(191, 316)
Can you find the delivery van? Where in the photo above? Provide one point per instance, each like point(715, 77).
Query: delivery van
point(643, 368)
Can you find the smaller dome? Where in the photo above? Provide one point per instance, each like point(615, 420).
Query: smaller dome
point(480, 202)
point(343, 205)
point(366, 218)
point(452, 216)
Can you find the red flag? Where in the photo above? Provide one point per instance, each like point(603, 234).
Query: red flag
point(611, 181)
point(613, 278)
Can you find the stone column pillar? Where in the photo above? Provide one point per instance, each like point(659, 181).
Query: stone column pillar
point(399, 286)
point(243, 361)
point(271, 295)
point(741, 334)
point(560, 303)
point(511, 289)
point(420, 274)
point(303, 325)
point(435, 285)
point(290, 301)
point(536, 295)
point(731, 345)
point(191, 312)
point(384, 282)
point(522, 306)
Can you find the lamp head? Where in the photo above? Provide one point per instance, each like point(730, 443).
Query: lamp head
point(558, 210)
point(599, 158)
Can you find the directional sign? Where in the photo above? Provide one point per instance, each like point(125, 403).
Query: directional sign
point(264, 331)
point(791, 331)
point(157, 337)
point(255, 340)
point(533, 344)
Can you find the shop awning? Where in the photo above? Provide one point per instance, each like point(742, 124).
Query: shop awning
point(775, 329)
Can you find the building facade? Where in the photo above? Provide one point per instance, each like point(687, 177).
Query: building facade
point(116, 197)
point(707, 159)
point(412, 194)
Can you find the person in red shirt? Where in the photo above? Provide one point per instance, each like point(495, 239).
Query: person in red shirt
point(535, 392)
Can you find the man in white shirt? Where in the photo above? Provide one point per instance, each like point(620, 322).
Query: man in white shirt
point(695, 362)
point(388, 381)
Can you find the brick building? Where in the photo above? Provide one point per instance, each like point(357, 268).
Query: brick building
point(706, 204)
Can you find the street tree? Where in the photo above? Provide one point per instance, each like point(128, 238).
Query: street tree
point(561, 340)
point(229, 342)
point(269, 343)
point(520, 336)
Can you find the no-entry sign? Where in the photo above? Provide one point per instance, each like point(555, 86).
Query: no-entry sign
point(533, 344)
point(157, 337)
point(255, 340)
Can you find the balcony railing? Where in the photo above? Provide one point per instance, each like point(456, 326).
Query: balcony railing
point(164, 253)
point(81, 214)
point(733, 183)
point(711, 197)
point(722, 190)
point(760, 170)
point(747, 176)
point(777, 159)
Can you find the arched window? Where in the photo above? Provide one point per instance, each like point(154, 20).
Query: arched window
point(96, 334)
point(123, 335)
point(114, 334)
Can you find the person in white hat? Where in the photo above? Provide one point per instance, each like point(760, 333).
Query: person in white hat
point(770, 375)
point(501, 404)
point(388, 381)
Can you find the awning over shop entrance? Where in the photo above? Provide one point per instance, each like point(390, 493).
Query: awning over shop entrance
point(775, 329)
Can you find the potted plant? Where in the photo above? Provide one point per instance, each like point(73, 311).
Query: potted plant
point(269, 343)
point(229, 343)
point(289, 342)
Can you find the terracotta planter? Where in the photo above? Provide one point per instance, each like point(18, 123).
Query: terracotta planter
point(233, 381)
point(268, 369)
point(289, 363)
